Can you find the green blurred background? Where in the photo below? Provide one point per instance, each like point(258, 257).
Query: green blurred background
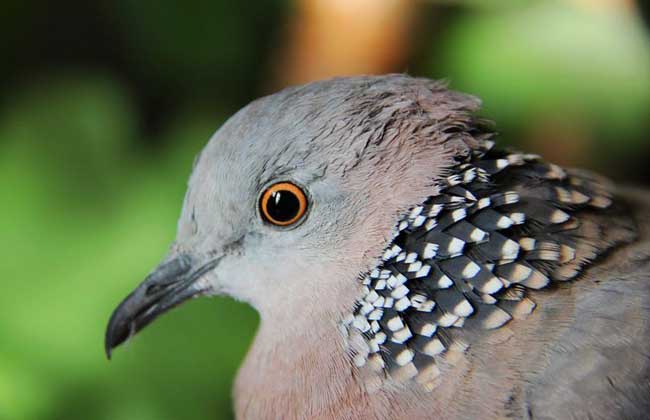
point(103, 106)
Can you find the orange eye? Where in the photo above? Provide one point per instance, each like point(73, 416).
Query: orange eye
point(283, 204)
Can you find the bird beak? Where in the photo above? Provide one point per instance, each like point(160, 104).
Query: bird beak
point(169, 285)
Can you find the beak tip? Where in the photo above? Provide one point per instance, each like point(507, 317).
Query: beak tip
point(108, 346)
point(115, 333)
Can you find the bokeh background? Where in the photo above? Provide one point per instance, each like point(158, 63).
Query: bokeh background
point(104, 104)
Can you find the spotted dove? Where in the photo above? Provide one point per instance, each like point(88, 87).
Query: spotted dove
point(404, 266)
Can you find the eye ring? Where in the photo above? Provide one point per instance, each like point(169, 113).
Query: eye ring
point(283, 204)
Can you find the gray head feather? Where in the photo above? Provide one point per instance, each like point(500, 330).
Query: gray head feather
point(365, 149)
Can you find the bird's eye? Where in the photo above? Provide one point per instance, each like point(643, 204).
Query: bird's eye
point(283, 204)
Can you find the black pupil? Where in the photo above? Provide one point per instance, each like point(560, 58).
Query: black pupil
point(283, 206)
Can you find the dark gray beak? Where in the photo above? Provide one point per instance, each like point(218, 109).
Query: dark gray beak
point(166, 287)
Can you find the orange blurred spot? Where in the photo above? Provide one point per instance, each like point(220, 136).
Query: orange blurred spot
point(344, 37)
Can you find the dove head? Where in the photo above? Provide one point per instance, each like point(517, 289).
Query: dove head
point(297, 195)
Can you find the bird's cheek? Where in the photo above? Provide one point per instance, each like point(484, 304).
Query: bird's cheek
point(239, 277)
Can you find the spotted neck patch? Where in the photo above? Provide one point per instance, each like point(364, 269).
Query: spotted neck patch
point(504, 224)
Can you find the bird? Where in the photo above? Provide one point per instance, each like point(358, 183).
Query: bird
point(405, 266)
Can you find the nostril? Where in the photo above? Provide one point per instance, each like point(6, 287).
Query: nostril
point(153, 289)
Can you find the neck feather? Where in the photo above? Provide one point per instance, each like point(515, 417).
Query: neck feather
point(298, 373)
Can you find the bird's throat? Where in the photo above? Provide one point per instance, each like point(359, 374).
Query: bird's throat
point(302, 375)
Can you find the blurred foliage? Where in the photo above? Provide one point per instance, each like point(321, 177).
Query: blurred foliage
point(103, 108)
point(216, 47)
point(84, 219)
point(559, 60)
